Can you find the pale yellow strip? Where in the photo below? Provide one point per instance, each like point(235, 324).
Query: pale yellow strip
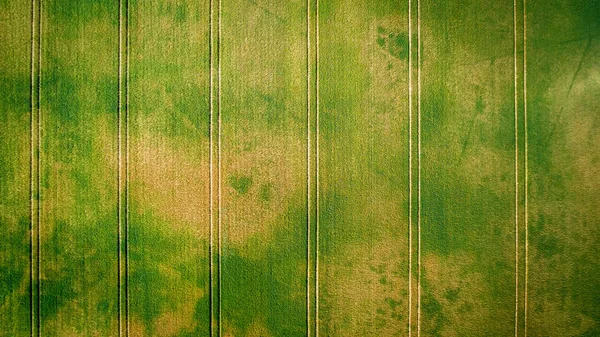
point(219, 173)
point(410, 168)
point(526, 160)
point(308, 190)
point(120, 170)
point(123, 168)
point(127, 36)
point(419, 166)
point(317, 107)
point(34, 171)
point(516, 172)
point(210, 173)
point(31, 171)
point(39, 160)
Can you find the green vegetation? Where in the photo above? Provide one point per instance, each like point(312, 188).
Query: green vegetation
point(454, 147)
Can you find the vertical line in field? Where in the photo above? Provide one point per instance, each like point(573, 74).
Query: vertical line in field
point(526, 160)
point(219, 129)
point(38, 155)
point(211, 175)
point(127, 165)
point(409, 168)
point(317, 191)
point(419, 167)
point(119, 175)
point(308, 190)
point(31, 165)
point(516, 170)
point(123, 169)
point(34, 176)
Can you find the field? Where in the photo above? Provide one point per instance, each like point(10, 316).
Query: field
point(299, 168)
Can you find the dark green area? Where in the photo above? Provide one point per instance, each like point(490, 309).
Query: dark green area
point(15, 247)
point(160, 259)
point(241, 184)
point(269, 288)
point(563, 92)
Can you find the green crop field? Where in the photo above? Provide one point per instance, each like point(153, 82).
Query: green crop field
point(300, 168)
